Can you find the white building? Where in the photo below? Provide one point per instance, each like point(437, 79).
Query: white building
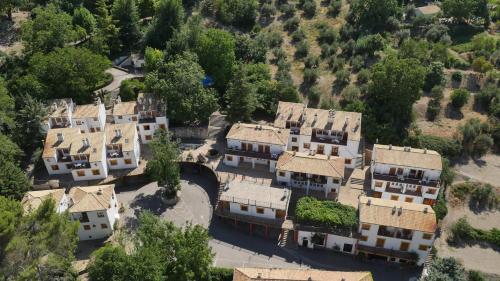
point(96, 207)
point(148, 113)
point(298, 274)
point(122, 146)
point(247, 198)
point(89, 117)
point(68, 151)
point(33, 199)
point(322, 238)
point(311, 172)
point(60, 114)
point(255, 144)
point(406, 174)
point(395, 231)
point(327, 132)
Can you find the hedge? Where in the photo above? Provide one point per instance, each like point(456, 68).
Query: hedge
point(221, 274)
point(445, 146)
point(462, 231)
point(325, 213)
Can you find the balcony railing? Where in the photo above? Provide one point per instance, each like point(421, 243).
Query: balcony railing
point(252, 154)
point(407, 191)
point(395, 234)
point(81, 165)
point(329, 139)
point(60, 125)
point(406, 180)
point(64, 158)
point(114, 154)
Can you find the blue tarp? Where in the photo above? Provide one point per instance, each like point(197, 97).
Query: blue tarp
point(208, 81)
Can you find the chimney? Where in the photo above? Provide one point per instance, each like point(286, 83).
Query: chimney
point(60, 137)
point(98, 101)
point(393, 210)
point(331, 115)
point(425, 150)
point(99, 191)
point(54, 106)
point(425, 210)
point(315, 117)
point(118, 133)
point(369, 202)
point(390, 146)
point(118, 99)
point(347, 120)
point(400, 211)
point(86, 142)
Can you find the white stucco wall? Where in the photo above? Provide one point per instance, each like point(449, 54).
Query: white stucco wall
point(252, 211)
point(96, 231)
point(331, 241)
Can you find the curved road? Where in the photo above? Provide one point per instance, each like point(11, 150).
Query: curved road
point(118, 77)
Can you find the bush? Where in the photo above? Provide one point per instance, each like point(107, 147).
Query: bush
point(475, 276)
point(462, 231)
point(328, 50)
point(221, 274)
point(302, 49)
point(334, 8)
point(343, 77)
point(325, 213)
point(446, 147)
point(433, 109)
point(327, 34)
point(130, 89)
point(437, 92)
point(481, 64)
point(459, 98)
point(298, 36)
point(311, 61)
point(456, 76)
point(482, 144)
point(310, 76)
point(288, 10)
point(351, 94)
point(483, 196)
point(363, 76)
point(314, 95)
point(357, 63)
point(291, 24)
point(268, 10)
point(336, 63)
point(309, 8)
point(440, 207)
point(274, 39)
point(279, 54)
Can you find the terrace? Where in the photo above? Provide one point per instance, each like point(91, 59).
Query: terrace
point(81, 165)
point(405, 234)
point(406, 180)
point(252, 154)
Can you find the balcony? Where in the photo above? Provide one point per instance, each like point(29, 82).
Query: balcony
point(252, 154)
point(400, 234)
point(400, 191)
point(63, 158)
point(387, 252)
point(114, 154)
point(81, 165)
point(60, 125)
point(329, 139)
point(225, 213)
point(406, 180)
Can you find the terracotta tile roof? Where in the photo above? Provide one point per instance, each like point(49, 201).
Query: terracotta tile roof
point(275, 274)
point(125, 108)
point(258, 133)
point(52, 143)
point(313, 118)
point(90, 198)
point(86, 111)
point(59, 107)
point(33, 199)
point(397, 214)
point(411, 157)
point(128, 135)
point(429, 9)
point(250, 193)
point(301, 162)
point(288, 111)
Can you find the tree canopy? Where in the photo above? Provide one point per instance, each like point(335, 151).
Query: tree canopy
point(169, 17)
point(373, 15)
point(127, 19)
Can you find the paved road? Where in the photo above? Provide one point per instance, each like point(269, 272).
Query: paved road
point(118, 77)
point(235, 247)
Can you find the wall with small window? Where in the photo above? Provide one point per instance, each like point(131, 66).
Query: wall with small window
point(252, 210)
point(329, 241)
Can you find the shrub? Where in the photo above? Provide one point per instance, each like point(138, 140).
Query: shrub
point(481, 145)
point(311, 61)
point(336, 63)
point(310, 76)
point(462, 231)
point(291, 24)
point(327, 34)
point(456, 76)
point(440, 207)
point(328, 50)
point(302, 49)
point(363, 76)
point(325, 213)
point(334, 8)
point(437, 92)
point(267, 10)
point(221, 274)
point(483, 196)
point(288, 10)
point(481, 64)
point(314, 94)
point(445, 146)
point(342, 77)
point(309, 8)
point(298, 35)
point(433, 109)
point(274, 39)
point(369, 44)
point(475, 276)
point(459, 98)
point(357, 63)
point(279, 54)
point(129, 89)
point(328, 104)
point(351, 94)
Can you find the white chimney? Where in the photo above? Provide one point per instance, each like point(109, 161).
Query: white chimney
point(118, 133)
point(331, 115)
point(315, 117)
point(99, 191)
point(86, 142)
point(54, 106)
point(60, 137)
point(390, 146)
point(98, 101)
point(118, 99)
point(400, 211)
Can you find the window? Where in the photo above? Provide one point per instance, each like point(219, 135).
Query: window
point(294, 139)
point(348, 161)
point(378, 184)
point(336, 181)
point(404, 246)
point(100, 214)
point(80, 173)
point(380, 243)
point(104, 226)
point(229, 158)
point(162, 126)
point(394, 197)
point(146, 127)
point(307, 145)
point(423, 247)
point(134, 118)
point(363, 238)
point(365, 226)
point(78, 122)
point(86, 227)
point(431, 191)
point(113, 162)
point(69, 166)
point(148, 137)
point(244, 208)
point(427, 236)
point(95, 119)
point(98, 129)
point(54, 167)
point(120, 117)
point(128, 161)
point(260, 210)
point(96, 172)
point(282, 174)
point(409, 199)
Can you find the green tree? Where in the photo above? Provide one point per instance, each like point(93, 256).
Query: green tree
point(130, 89)
point(482, 144)
point(435, 76)
point(445, 269)
point(460, 10)
point(42, 246)
point(106, 40)
point(9, 151)
point(109, 263)
point(10, 216)
point(30, 129)
point(69, 72)
point(373, 15)
point(240, 13)
point(50, 29)
point(241, 96)
point(125, 13)
point(248, 49)
point(13, 181)
point(6, 108)
point(7, 6)
point(164, 166)
point(480, 64)
point(395, 87)
point(84, 18)
point(179, 83)
point(147, 8)
point(153, 59)
point(459, 98)
point(216, 55)
point(169, 17)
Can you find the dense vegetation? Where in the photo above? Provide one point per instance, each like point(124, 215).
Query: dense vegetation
point(325, 213)
point(463, 232)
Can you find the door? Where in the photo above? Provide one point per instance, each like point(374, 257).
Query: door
point(305, 242)
point(404, 246)
point(400, 171)
point(267, 149)
point(335, 151)
point(380, 243)
point(261, 148)
point(420, 174)
point(321, 149)
point(392, 171)
point(347, 248)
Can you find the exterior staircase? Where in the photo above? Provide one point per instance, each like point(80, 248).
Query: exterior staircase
point(429, 259)
point(359, 162)
point(287, 239)
point(357, 181)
